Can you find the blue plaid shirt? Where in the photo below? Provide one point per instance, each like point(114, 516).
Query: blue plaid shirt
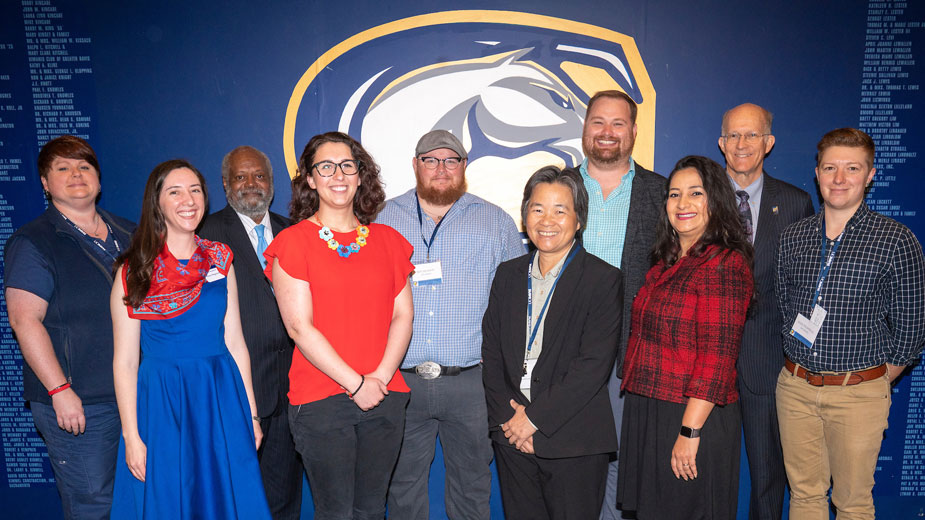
point(474, 237)
point(874, 294)
point(606, 229)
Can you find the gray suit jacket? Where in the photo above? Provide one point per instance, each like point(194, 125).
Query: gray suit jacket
point(647, 201)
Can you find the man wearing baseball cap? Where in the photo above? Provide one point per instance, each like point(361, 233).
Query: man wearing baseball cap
point(459, 240)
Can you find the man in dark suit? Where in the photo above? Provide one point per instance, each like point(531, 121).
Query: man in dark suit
point(247, 226)
point(625, 201)
point(766, 206)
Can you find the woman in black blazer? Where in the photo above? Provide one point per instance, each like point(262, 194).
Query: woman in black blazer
point(550, 337)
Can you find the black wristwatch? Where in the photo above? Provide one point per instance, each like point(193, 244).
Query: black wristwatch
point(690, 433)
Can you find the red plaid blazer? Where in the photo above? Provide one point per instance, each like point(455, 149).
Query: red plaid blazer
point(686, 328)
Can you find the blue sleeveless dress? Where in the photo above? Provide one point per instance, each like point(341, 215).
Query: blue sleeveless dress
point(194, 418)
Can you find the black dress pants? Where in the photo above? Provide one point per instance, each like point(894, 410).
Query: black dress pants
point(534, 488)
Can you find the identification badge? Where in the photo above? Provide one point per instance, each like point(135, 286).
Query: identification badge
point(528, 374)
point(214, 274)
point(427, 274)
point(806, 330)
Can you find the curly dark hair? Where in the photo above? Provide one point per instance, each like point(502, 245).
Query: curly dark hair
point(724, 228)
point(370, 196)
point(149, 237)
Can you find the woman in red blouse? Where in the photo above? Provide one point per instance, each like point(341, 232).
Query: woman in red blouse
point(343, 293)
point(681, 425)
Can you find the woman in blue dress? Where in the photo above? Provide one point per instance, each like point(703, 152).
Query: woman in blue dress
point(190, 430)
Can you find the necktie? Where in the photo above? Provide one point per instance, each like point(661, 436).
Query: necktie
point(745, 214)
point(261, 244)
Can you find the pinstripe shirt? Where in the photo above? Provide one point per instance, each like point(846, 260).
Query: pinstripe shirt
point(874, 294)
point(474, 237)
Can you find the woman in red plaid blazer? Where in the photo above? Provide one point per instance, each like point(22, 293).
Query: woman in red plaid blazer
point(681, 425)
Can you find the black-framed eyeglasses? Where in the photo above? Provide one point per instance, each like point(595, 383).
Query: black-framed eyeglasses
point(431, 163)
point(750, 137)
point(329, 168)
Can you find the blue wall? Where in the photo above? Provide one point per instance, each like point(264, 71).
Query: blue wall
point(194, 79)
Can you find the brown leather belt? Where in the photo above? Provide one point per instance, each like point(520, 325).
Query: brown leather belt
point(835, 378)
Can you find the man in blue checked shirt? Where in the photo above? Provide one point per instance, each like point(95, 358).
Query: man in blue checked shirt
point(851, 290)
point(459, 240)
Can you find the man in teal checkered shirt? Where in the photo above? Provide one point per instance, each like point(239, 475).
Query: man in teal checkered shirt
point(625, 203)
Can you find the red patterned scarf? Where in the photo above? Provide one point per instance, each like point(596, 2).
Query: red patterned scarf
point(175, 287)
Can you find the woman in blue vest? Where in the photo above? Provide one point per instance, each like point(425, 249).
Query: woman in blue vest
point(58, 277)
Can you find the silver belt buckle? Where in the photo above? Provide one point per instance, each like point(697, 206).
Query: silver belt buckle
point(428, 370)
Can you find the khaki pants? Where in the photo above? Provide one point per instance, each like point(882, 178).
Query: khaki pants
point(831, 433)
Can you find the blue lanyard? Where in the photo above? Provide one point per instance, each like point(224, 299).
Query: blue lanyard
point(825, 263)
point(95, 241)
point(539, 319)
point(433, 235)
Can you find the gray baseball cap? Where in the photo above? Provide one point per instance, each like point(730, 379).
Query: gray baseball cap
point(440, 139)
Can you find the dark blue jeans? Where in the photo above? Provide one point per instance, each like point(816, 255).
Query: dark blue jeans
point(349, 454)
point(85, 464)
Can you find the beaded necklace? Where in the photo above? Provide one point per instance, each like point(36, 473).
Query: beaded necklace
point(344, 251)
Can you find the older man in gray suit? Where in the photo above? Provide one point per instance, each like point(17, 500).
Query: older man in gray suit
point(625, 201)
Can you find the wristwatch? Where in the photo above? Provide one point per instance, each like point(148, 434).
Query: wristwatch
point(690, 433)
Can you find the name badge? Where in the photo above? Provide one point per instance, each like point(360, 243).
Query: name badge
point(525, 380)
point(214, 274)
point(806, 330)
point(427, 274)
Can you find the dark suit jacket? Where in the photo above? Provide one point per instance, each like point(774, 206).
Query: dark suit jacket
point(762, 355)
point(647, 202)
point(570, 405)
point(267, 341)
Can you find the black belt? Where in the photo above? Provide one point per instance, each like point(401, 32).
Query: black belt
point(432, 370)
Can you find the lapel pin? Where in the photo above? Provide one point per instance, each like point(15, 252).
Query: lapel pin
point(774, 210)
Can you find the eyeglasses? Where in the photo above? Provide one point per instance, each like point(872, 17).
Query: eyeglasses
point(329, 168)
point(451, 163)
point(750, 137)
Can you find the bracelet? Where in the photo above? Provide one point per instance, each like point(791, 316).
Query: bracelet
point(362, 380)
point(254, 417)
point(59, 388)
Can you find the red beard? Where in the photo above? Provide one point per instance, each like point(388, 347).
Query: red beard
point(443, 196)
